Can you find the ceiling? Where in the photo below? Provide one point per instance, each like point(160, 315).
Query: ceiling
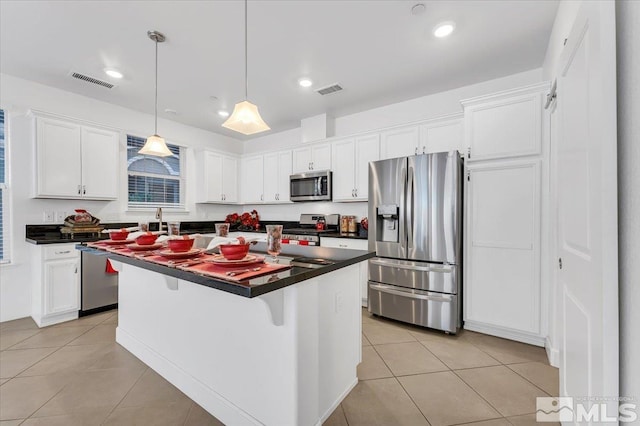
point(378, 51)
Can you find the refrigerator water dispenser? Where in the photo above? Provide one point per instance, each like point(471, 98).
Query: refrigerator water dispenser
point(387, 223)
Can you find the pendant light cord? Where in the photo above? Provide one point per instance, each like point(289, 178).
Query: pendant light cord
point(246, 78)
point(156, 106)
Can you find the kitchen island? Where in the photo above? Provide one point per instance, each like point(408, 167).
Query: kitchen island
point(275, 350)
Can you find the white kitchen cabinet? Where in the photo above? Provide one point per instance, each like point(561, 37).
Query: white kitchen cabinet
point(75, 161)
point(55, 291)
point(352, 244)
point(277, 169)
point(502, 264)
point(399, 142)
point(442, 135)
point(217, 178)
point(350, 162)
point(505, 125)
point(251, 182)
point(314, 157)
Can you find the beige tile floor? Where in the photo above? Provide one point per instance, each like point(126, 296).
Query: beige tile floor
point(75, 374)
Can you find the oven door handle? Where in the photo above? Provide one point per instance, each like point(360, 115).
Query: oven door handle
point(411, 267)
point(389, 290)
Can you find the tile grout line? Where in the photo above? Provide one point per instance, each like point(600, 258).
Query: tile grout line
point(125, 395)
point(412, 400)
point(538, 387)
point(478, 393)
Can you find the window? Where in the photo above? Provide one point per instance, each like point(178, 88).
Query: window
point(4, 199)
point(154, 181)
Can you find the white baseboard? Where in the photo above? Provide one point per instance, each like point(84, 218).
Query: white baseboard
point(365, 302)
point(48, 320)
point(519, 336)
point(203, 395)
point(552, 353)
point(337, 402)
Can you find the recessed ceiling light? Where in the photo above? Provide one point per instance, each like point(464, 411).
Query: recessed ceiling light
point(444, 29)
point(305, 82)
point(113, 73)
point(223, 113)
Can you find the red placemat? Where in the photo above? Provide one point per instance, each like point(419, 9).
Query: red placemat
point(216, 271)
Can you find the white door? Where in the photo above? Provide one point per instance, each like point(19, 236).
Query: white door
point(400, 142)
point(344, 162)
point(61, 291)
point(587, 221)
point(301, 160)
point(229, 180)
point(270, 175)
point(367, 150)
point(284, 171)
point(99, 163)
point(442, 136)
point(321, 157)
point(212, 177)
point(58, 153)
point(252, 179)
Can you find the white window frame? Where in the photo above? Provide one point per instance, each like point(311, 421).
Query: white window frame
point(136, 206)
point(5, 194)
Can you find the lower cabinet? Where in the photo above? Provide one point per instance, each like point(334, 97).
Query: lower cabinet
point(353, 244)
point(55, 293)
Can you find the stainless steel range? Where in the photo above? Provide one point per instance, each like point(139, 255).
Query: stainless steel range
point(307, 234)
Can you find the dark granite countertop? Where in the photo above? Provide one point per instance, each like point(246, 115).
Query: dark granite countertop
point(50, 233)
point(259, 285)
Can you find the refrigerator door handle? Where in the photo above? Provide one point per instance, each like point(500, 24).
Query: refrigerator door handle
point(410, 206)
point(401, 215)
point(410, 267)
point(390, 290)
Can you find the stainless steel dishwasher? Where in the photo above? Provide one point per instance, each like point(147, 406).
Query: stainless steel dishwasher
point(99, 288)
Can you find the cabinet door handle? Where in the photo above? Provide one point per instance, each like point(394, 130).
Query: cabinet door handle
point(84, 189)
point(424, 149)
point(342, 245)
point(261, 197)
point(63, 252)
point(313, 166)
point(356, 192)
point(415, 151)
point(309, 165)
point(76, 271)
point(79, 189)
point(278, 197)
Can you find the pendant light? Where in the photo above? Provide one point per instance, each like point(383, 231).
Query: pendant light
point(155, 144)
point(245, 118)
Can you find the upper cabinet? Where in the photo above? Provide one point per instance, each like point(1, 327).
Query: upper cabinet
point(217, 180)
point(350, 162)
point(506, 124)
point(265, 178)
point(75, 161)
point(314, 157)
point(442, 135)
point(277, 169)
point(399, 142)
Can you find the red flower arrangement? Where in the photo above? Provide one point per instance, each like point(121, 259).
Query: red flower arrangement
point(244, 222)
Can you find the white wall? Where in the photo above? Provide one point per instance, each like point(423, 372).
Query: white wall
point(16, 97)
point(628, 46)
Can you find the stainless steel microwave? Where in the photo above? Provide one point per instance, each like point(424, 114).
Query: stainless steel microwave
point(312, 186)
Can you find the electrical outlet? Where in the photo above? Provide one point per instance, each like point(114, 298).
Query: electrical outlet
point(60, 216)
point(48, 216)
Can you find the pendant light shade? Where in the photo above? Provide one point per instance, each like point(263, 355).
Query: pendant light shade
point(155, 145)
point(245, 118)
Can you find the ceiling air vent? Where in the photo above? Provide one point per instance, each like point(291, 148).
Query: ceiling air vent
point(329, 89)
point(91, 80)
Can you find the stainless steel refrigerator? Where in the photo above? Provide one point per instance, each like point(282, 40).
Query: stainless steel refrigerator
point(415, 228)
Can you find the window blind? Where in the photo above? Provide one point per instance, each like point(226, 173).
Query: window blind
point(154, 181)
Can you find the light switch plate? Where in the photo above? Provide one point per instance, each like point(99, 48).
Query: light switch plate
point(48, 216)
point(60, 216)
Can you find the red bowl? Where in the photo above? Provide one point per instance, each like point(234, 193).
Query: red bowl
point(146, 239)
point(181, 245)
point(119, 235)
point(234, 251)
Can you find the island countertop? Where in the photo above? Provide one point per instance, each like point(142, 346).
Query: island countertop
point(257, 286)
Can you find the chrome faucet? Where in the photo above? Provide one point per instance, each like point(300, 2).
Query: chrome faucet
point(159, 217)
